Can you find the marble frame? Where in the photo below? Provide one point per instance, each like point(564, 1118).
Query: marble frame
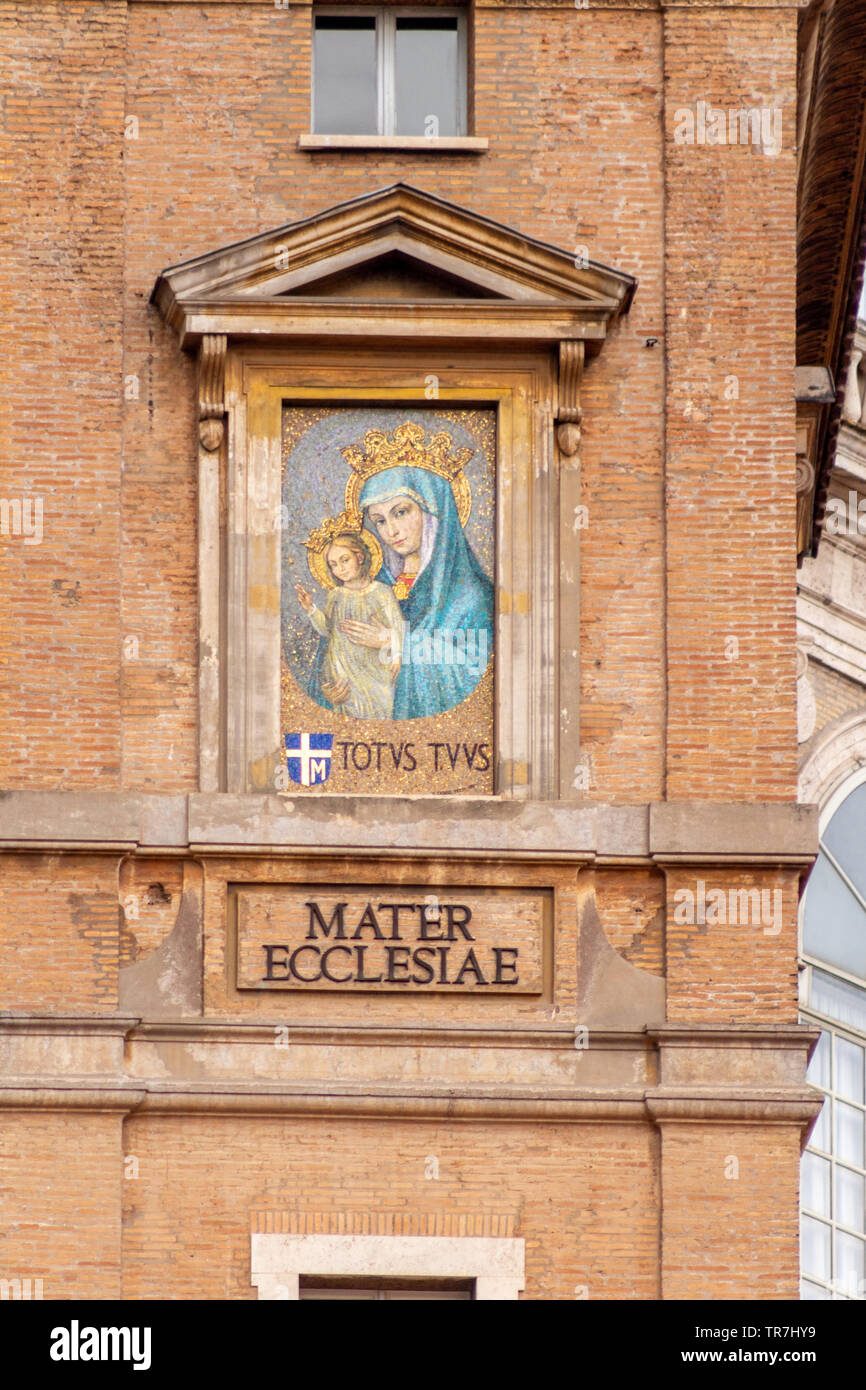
point(241, 578)
point(279, 1262)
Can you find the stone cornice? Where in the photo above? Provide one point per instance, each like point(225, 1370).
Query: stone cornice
point(721, 1035)
point(276, 285)
point(668, 1073)
point(218, 1031)
point(65, 1025)
point(543, 4)
point(459, 827)
point(794, 1106)
point(837, 635)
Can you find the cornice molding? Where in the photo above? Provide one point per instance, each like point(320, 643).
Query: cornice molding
point(493, 828)
point(280, 284)
point(797, 1106)
point(288, 5)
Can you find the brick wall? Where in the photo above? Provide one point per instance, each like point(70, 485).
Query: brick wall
point(687, 599)
point(729, 311)
point(59, 933)
point(719, 1183)
point(61, 431)
point(60, 1176)
point(731, 945)
point(215, 97)
point(584, 1197)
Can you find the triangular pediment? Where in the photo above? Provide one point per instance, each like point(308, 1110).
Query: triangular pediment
point(394, 277)
point(395, 247)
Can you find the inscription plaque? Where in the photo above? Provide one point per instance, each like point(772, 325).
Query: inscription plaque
point(404, 937)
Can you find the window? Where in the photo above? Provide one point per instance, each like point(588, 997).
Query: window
point(389, 72)
point(387, 1290)
point(477, 1268)
point(833, 1230)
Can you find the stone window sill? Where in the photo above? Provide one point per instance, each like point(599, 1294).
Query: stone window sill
point(442, 144)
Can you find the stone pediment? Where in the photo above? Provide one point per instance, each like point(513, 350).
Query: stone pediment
point(396, 276)
point(393, 264)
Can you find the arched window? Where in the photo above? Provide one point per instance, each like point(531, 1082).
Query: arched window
point(833, 996)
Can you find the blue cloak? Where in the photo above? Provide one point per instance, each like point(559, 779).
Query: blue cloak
point(449, 609)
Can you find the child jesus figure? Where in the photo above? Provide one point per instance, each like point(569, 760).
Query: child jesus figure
point(361, 630)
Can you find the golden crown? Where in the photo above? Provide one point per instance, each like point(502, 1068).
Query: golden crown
point(319, 540)
point(409, 446)
point(406, 446)
point(346, 524)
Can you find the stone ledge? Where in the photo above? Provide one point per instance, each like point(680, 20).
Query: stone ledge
point(721, 831)
point(218, 823)
point(424, 144)
point(791, 1105)
point(64, 1025)
point(287, 5)
point(92, 820)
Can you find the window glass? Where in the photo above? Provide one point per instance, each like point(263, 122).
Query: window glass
point(344, 81)
point(848, 1133)
point(812, 1292)
point(819, 1067)
point(821, 1133)
point(382, 71)
point(848, 1070)
point(833, 1173)
point(838, 999)
point(850, 1269)
point(815, 1248)
point(834, 926)
point(426, 77)
point(816, 1184)
point(845, 837)
point(850, 1198)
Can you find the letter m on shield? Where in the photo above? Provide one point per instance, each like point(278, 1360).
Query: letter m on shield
point(308, 757)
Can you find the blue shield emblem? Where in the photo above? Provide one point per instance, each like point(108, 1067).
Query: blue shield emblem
point(308, 757)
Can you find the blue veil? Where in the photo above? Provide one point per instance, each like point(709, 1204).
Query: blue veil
point(449, 608)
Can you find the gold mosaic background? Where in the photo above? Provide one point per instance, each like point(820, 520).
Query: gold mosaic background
point(453, 752)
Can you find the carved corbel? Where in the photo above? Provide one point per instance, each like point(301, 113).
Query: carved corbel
point(211, 428)
point(805, 475)
point(211, 390)
point(569, 414)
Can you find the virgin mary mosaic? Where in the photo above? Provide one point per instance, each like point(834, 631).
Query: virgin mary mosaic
point(387, 598)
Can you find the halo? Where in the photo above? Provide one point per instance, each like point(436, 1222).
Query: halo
point(459, 486)
point(329, 532)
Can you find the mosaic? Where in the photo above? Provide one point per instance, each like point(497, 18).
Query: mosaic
point(387, 600)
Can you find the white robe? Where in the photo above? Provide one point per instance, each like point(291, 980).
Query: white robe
point(367, 669)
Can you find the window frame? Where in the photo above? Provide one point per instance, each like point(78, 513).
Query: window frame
point(527, 743)
point(833, 804)
point(386, 17)
point(495, 1264)
point(835, 1289)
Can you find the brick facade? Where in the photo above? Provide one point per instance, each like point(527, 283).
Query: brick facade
point(142, 135)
